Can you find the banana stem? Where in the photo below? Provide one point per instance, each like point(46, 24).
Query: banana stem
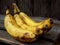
point(15, 7)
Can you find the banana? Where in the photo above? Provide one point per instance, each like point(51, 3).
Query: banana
point(26, 18)
point(14, 30)
point(19, 20)
point(37, 28)
point(21, 23)
point(22, 28)
point(41, 25)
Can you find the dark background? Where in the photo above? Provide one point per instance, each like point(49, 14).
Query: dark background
point(35, 8)
point(42, 8)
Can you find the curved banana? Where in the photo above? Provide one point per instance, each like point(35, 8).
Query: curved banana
point(35, 30)
point(14, 30)
point(24, 26)
point(31, 22)
point(45, 25)
point(26, 18)
point(38, 28)
point(19, 20)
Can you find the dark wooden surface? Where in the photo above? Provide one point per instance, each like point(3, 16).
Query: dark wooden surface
point(44, 8)
point(57, 41)
point(47, 39)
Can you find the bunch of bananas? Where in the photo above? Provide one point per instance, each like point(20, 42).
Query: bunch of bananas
point(23, 28)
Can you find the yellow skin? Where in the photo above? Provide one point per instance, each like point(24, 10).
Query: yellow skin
point(46, 23)
point(30, 22)
point(27, 20)
point(38, 30)
point(14, 30)
point(24, 26)
point(20, 22)
point(39, 25)
point(23, 18)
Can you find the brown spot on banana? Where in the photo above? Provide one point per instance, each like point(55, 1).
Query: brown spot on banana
point(39, 31)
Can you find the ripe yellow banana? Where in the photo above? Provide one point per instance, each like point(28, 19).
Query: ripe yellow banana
point(43, 24)
point(21, 23)
point(38, 26)
point(14, 30)
point(38, 30)
point(35, 30)
point(19, 20)
point(26, 18)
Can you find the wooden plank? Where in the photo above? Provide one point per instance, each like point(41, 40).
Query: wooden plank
point(51, 35)
point(5, 37)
